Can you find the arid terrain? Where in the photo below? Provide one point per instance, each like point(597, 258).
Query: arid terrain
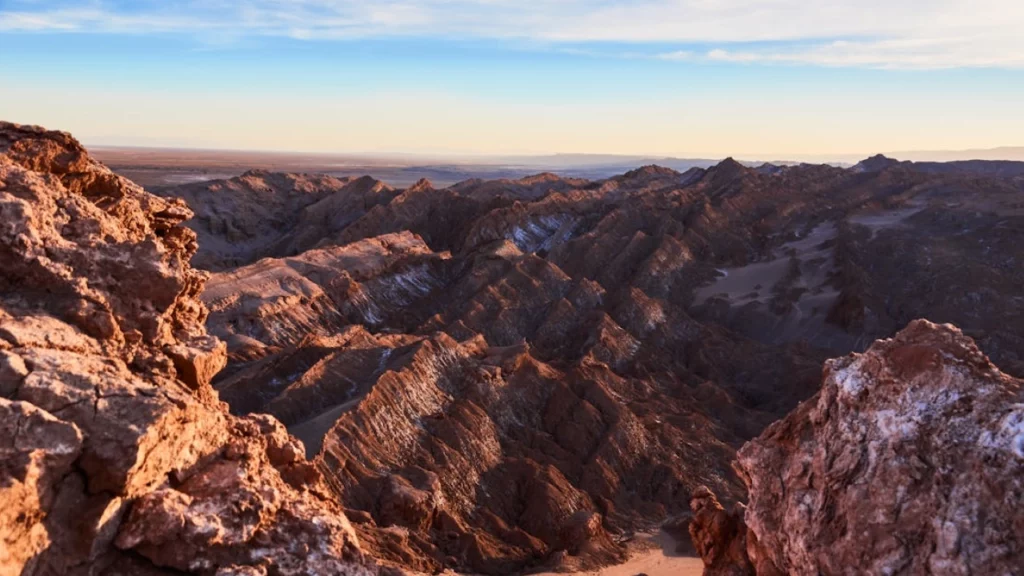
point(494, 364)
point(296, 373)
point(153, 167)
point(172, 166)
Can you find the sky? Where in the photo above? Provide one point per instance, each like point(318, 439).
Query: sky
point(772, 79)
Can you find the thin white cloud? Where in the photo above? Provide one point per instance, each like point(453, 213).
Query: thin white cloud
point(103, 21)
point(677, 55)
point(875, 33)
point(919, 54)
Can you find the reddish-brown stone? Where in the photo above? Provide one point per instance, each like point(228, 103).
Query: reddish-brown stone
point(910, 460)
point(116, 457)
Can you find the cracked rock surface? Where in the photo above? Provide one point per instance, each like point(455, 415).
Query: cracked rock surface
point(910, 460)
point(116, 456)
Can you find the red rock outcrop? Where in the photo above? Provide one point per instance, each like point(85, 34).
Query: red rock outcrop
point(116, 457)
point(719, 536)
point(909, 460)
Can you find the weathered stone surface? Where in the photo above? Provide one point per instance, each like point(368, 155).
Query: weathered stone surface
point(909, 461)
point(36, 451)
point(238, 511)
point(116, 457)
point(719, 536)
point(196, 366)
point(12, 373)
point(266, 306)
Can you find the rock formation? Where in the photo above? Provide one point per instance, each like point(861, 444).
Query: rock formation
point(116, 457)
point(719, 536)
point(910, 460)
point(501, 376)
point(450, 356)
point(262, 213)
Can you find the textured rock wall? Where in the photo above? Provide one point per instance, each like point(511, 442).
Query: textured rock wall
point(116, 457)
point(910, 460)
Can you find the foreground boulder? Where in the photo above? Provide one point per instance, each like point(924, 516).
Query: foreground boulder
point(115, 455)
point(909, 461)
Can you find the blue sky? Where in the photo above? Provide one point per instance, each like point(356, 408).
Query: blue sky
point(676, 77)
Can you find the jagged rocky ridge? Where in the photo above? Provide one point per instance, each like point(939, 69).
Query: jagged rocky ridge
point(261, 214)
point(490, 377)
point(116, 456)
point(512, 374)
point(910, 460)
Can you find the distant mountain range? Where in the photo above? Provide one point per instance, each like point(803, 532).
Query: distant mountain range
point(555, 161)
point(162, 166)
point(581, 161)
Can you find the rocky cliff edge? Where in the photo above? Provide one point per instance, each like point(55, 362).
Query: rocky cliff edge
point(116, 457)
point(910, 460)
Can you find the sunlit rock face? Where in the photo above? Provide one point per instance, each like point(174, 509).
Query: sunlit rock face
point(909, 460)
point(116, 457)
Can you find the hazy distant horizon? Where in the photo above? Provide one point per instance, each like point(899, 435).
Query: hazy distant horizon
point(1002, 153)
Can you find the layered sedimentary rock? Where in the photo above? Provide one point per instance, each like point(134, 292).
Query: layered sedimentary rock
point(261, 308)
point(262, 213)
point(422, 431)
point(116, 457)
point(815, 254)
point(909, 460)
point(451, 357)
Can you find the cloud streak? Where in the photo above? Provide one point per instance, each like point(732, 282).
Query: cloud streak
point(918, 34)
point(908, 54)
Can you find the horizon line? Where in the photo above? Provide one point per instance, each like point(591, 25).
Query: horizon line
point(481, 156)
